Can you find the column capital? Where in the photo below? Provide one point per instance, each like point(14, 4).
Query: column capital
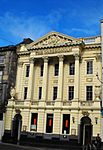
point(76, 55)
point(31, 60)
point(45, 59)
point(99, 57)
point(61, 57)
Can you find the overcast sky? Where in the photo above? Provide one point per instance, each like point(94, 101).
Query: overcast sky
point(34, 18)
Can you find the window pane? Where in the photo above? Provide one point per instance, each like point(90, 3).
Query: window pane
point(27, 70)
point(56, 70)
point(72, 68)
point(40, 92)
point(89, 93)
point(71, 92)
point(25, 92)
point(1, 59)
point(55, 93)
point(89, 67)
point(41, 70)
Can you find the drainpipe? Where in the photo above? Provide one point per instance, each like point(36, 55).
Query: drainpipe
point(102, 79)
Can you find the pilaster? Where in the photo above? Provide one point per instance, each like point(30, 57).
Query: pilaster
point(31, 80)
point(76, 88)
point(60, 79)
point(19, 80)
point(45, 79)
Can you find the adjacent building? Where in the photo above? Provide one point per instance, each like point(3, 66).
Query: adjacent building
point(8, 70)
point(57, 93)
point(8, 63)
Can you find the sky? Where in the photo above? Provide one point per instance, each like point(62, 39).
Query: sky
point(21, 19)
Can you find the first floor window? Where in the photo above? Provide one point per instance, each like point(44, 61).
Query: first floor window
point(25, 92)
point(34, 117)
point(89, 93)
point(90, 67)
point(40, 92)
point(49, 123)
point(41, 70)
point(55, 92)
point(27, 70)
point(70, 92)
point(72, 68)
point(66, 124)
point(56, 70)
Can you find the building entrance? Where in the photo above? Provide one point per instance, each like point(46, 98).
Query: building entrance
point(85, 130)
point(16, 127)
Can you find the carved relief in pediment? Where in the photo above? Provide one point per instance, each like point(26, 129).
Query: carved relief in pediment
point(53, 40)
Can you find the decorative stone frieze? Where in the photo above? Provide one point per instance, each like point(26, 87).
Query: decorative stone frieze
point(85, 113)
point(89, 79)
point(52, 40)
point(53, 50)
point(71, 80)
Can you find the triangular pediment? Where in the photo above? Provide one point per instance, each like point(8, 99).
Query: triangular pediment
point(52, 39)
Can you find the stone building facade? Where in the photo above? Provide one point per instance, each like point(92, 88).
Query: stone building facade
point(57, 93)
point(8, 70)
point(8, 64)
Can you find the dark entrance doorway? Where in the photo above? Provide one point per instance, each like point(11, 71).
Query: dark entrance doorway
point(16, 127)
point(85, 130)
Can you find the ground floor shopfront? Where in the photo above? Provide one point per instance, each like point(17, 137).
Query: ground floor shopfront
point(52, 122)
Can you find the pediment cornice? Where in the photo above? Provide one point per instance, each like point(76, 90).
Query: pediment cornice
point(53, 39)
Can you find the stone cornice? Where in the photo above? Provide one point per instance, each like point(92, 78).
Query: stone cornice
point(58, 46)
point(53, 38)
point(93, 46)
point(23, 53)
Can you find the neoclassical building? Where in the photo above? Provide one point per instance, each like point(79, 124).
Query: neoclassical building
point(57, 92)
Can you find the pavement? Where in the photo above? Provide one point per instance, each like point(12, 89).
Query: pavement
point(7, 146)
